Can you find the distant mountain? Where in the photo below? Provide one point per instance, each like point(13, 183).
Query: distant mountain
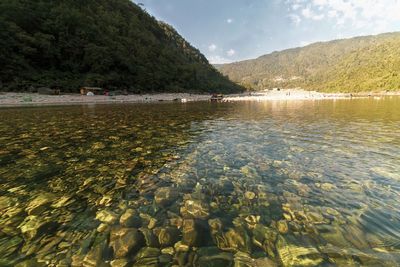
point(370, 63)
point(106, 43)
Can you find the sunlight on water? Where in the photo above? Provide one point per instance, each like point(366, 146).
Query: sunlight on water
point(300, 183)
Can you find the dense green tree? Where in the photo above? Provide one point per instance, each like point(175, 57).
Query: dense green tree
point(107, 43)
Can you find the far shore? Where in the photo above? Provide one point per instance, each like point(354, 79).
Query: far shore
point(34, 99)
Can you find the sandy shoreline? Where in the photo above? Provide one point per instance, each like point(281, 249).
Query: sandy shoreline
point(32, 99)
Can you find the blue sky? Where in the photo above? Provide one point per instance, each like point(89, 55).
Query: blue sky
point(233, 30)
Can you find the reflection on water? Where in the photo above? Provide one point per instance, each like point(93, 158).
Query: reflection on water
point(301, 183)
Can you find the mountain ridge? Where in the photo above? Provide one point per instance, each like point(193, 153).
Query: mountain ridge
point(363, 63)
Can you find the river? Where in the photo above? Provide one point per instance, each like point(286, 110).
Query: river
point(274, 183)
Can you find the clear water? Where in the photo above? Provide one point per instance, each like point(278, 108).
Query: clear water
point(298, 183)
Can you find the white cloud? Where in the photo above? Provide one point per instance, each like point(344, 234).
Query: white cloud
point(229, 21)
point(369, 15)
point(295, 19)
point(296, 6)
point(309, 14)
point(212, 47)
point(218, 60)
point(231, 52)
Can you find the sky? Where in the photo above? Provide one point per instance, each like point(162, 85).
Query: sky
point(233, 30)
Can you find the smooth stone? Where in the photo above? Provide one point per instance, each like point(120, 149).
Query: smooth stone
point(39, 204)
point(213, 258)
point(10, 246)
point(62, 202)
point(130, 218)
point(195, 209)
point(102, 227)
point(282, 226)
point(252, 221)
point(180, 247)
point(106, 216)
point(165, 196)
point(168, 250)
point(6, 202)
point(167, 236)
point(189, 232)
point(94, 257)
point(315, 217)
point(34, 226)
point(238, 240)
point(29, 263)
point(250, 195)
point(125, 241)
point(327, 186)
point(147, 256)
point(296, 255)
point(149, 237)
point(119, 263)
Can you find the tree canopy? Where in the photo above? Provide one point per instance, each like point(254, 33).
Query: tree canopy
point(106, 43)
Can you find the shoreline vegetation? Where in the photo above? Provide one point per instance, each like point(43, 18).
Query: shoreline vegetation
point(14, 99)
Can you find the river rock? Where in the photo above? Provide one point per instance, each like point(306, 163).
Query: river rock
point(189, 232)
point(149, 237)
point(238, 240)
point(125, 241)
point(39, 204)
point(10, 246)
point(130, 218)
point(147, 257)
point(250, 195)
point(34, 226)
point(119, 263)
point(106, 216)
point(165, 196)
point(213, 257)
point(6, 202)
point(282, 226)
point(95, 257)
point(195, 209)
point(265, 238)
point(167, 236)
point(291, 254)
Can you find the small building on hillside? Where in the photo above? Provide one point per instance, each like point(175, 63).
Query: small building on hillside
point(95, 90)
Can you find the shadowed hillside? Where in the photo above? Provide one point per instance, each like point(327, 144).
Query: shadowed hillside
point(107, 43)
point(370, 63)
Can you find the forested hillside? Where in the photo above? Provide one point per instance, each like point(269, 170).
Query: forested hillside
point(107, 43)
point(370, 63)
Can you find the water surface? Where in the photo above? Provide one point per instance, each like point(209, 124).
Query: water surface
point(298, 183)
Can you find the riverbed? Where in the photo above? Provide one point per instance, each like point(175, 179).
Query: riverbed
point(270, 183)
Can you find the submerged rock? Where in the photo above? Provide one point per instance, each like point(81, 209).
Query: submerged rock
point(295, 255)
point(10, 246)
point(125, 241)
point(106, 216)
point(238, 240)
point(167, 236)
point(34, 226)
point(190, 235)
point(39, 204)
point(95, 257)
point(250, 195)
point(147, 257)
point(212, 257)
point(165, 196)
point(195, 209)
point(130, 218)
point(282, 227)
